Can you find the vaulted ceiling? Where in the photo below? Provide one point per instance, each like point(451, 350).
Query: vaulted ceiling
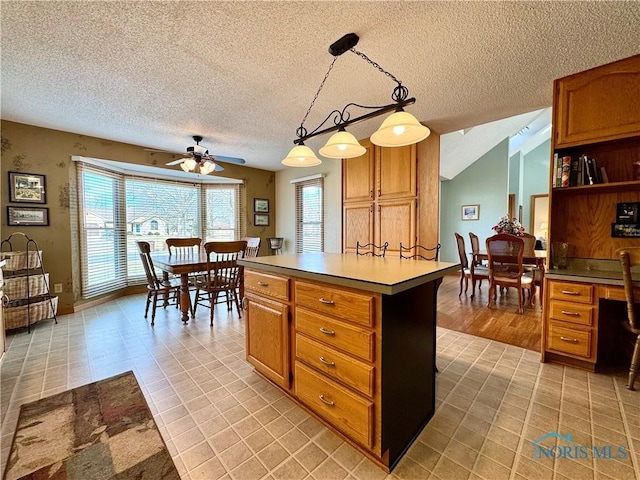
point(242, 74)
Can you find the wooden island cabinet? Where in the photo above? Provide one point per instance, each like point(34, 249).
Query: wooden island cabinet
point(352, 339)
point(596, 114)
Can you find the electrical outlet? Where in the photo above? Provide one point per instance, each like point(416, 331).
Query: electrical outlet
point(57, 288)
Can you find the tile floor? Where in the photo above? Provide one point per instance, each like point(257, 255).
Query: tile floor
point(221, 420)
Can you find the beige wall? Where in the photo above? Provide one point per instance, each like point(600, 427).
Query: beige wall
point(286, 204)
point(30, 149)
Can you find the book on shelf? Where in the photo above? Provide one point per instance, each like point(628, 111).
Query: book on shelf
point(588, 168)
point(566, 171)
point(605, 177)
point(597, 174)
point(573, 178)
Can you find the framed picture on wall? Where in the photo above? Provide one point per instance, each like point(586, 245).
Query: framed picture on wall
point(470, 212)
point(261, 205)
point(26, 188)
point(261, 220)
point(28, 216)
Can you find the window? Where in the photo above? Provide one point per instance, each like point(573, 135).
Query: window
point(116, 210)
point(310, 215)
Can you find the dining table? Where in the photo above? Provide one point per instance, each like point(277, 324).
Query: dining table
point(537, 258)
point(183, 265)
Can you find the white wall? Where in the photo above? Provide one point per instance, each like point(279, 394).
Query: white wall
point(286, 204)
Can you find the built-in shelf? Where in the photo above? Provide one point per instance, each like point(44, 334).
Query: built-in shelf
point(598, 188)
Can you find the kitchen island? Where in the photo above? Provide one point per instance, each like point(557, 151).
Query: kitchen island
point(350, 338)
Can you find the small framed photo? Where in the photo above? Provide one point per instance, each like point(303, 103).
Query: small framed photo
point(261, 205)
point(261, 220)
point(470, 212)
point(26, 188)
point(28, 216)
point(628, 212)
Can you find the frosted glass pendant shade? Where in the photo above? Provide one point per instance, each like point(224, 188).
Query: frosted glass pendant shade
point(301, 156)
point(207, 167)
point(184, 167)
point(188, 165)
point(342, 145)
point(399, 129)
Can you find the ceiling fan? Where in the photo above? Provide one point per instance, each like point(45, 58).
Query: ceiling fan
point(200, 161)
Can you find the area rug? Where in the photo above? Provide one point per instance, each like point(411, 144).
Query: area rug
point(103, 430)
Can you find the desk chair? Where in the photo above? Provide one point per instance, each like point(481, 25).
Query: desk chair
point(223, 276)
point(253, 246)
point(371, 249)
point(469, 270)
point(630, 258)
point(418, 252)
point(505, 267)
point(155, 286)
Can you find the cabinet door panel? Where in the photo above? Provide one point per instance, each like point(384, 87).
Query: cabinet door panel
point(357, 225)
point(395, 223)
point(357, 176)
point(267, 331)
point(396, 172)
point(599, 104)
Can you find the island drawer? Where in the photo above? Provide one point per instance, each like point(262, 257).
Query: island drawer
point(346, 304)
point(571, 312)
point(569, 340)
point(266, 284)
point(348, 370)
point(571, 292)
point(345, 410)
point(343, 336)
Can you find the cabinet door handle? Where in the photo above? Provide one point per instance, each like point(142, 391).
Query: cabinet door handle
point(326, 302)
point(570, 292)
point(327, 362)
point(326, 402)
point(570, 340)
point(573, 314)
point(263, 284)
point(327, 332)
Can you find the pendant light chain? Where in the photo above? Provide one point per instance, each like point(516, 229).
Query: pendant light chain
point(303, 131)
point(400, 92)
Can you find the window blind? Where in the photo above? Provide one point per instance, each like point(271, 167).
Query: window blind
point(116, 210)
point(310, 216)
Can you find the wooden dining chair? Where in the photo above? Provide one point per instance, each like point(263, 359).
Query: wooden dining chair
point(531, 269)
point(253, 246)
point(183, 246)
point(506, 269)
point(223, 276)
point(468, 269)
point(371, 249)
point(418, 252)
point(165, 291)
point(630, 258)
point(475, 247)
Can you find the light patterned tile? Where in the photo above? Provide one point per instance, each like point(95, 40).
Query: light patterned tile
point(448, 469)
point(311, 456)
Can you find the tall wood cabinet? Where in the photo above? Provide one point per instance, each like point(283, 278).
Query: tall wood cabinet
point(595, 113)
point(382, 196)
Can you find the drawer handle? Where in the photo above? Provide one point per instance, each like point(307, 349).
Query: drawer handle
point(573, 314)
point(327, 332)
point(570, 292)
point(327, 362)
point(326, 402)
point(263, 284)
point(570, 340)
point(326, 302)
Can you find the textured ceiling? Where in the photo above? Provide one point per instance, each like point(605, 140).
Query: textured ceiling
point(242, 74)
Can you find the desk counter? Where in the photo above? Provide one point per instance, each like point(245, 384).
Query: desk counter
point(351, 339)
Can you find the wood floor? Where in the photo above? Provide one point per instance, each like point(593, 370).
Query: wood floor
point(502, 322)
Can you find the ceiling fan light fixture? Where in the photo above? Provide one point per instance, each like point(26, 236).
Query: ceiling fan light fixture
point(184, 167)
point(399, 129)
point(207, 167)
point(342, 145)
point(301, 156)
point(190, 164)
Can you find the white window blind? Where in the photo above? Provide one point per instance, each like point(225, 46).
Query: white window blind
point(116, 210)
point(310, 216)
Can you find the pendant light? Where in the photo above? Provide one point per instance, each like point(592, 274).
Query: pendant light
point(301, 156)
point(400, 129)
point(342, 145)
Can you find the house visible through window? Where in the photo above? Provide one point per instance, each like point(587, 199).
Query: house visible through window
point(310, 215)
point(115, 210)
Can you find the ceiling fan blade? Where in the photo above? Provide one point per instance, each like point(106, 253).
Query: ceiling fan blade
point(176, 162)
point(222, 158)
point(219, 168)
